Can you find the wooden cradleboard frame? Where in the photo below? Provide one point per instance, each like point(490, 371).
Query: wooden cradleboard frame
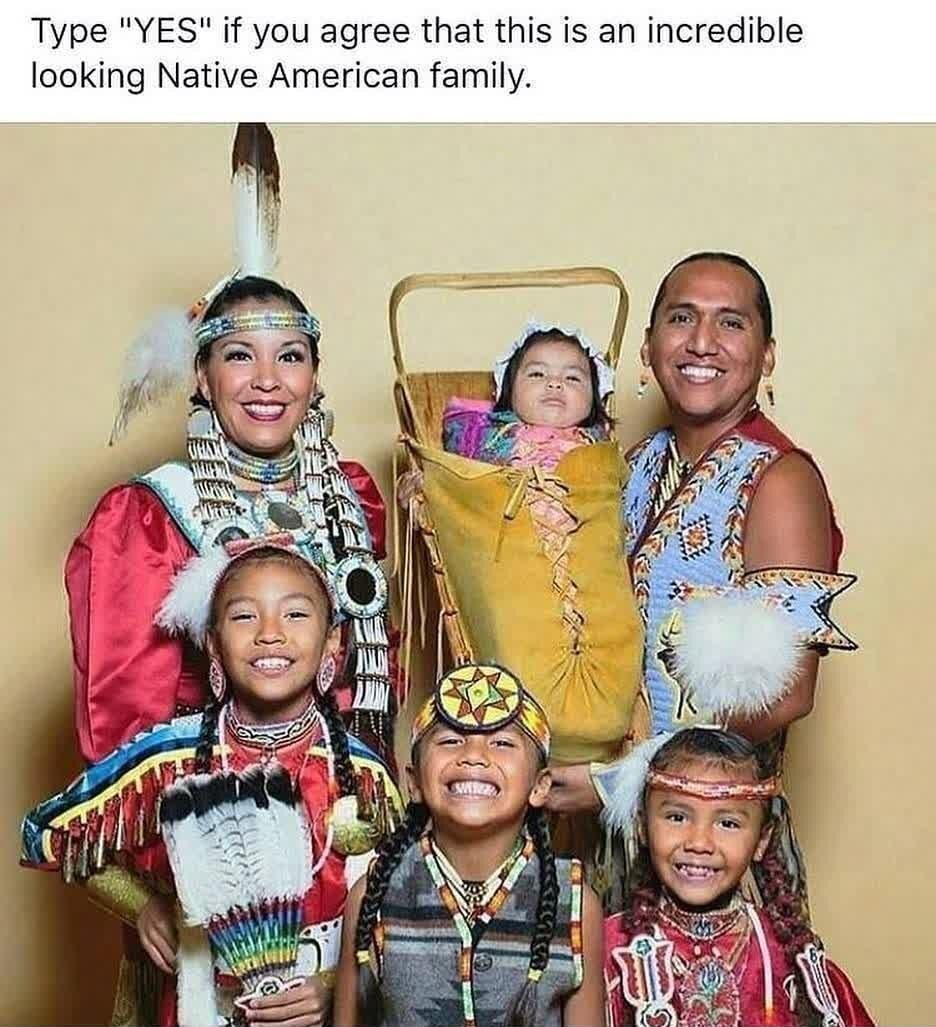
point(420, 399)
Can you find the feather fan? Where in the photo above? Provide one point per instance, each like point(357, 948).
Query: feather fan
point(239, 850)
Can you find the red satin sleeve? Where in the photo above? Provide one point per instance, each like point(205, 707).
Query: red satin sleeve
point(375, 513)
point(128, 674)
point(851, 1008)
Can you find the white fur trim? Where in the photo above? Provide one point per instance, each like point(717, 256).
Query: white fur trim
point(187, 607)
point(605, 371)
point(623, 782)
point(736, 656)
point(159, 361)
point(197, 999)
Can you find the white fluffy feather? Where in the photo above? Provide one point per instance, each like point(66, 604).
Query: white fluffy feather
point(736, 656)
point(160, 361)
point(623, 783)
point(187, 607)
point(198, 1006)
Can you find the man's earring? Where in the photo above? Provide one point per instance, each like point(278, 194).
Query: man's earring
point(643, 382)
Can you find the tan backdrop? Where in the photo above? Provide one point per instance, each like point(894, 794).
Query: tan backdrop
point(103, 224)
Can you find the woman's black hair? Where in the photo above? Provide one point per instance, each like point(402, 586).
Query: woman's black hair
point(597, 416)
point(761, 300)
point(251, 287)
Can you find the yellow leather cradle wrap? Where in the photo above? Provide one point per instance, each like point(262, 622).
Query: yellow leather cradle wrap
point(555, 607)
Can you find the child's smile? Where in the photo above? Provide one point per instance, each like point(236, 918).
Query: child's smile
point(270, 635)
point(701, 848)
point(475, 781)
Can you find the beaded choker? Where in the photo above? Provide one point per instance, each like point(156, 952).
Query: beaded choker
point(702, 926)
point(271, 737)
point(261, 469)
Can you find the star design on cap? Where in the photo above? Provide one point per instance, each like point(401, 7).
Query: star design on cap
point(479, 695)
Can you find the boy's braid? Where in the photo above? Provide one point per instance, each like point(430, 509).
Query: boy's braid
point(547, 905)
point(389, 853)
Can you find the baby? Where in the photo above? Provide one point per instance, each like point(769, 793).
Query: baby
point(550, 387)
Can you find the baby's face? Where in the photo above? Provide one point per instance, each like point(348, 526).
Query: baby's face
point(553, 387)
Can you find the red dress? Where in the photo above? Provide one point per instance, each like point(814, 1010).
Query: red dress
point(741, 978)
point(128, 673)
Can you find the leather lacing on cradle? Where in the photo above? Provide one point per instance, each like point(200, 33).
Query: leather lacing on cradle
point(539, 491)
point(544, 495)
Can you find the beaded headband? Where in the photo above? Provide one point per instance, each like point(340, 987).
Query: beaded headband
point(226, 324)
point(480, 698)
point(766, 789)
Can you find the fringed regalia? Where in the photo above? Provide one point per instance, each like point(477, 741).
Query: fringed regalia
point(106, 824)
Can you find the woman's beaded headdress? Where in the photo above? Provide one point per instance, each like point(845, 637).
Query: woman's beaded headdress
point(162, 360)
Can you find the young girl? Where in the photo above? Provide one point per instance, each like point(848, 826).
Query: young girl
point(267, 618)
point(526, 495)
point(466, 917)
point(688, 948)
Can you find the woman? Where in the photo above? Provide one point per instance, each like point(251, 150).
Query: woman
point(259, 463)
point(721, 502)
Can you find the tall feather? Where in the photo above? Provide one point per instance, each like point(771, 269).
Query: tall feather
point(255, 171)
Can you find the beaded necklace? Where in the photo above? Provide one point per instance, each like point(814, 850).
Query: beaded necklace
point(270, 737)
point(263, 470)
point(707, 987)
point(702, 926)
point(510, 871)
point(473, 896)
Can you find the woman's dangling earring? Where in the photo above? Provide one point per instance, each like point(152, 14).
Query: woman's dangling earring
point(768, 390)
point(216, 679)
point(325, 677)
point(643, 383)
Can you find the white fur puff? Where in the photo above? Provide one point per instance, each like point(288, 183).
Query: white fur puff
point(187, 607)
point(736, 656)
point(198, 1005)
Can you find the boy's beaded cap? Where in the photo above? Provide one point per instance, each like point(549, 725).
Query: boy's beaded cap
point(480, 698)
